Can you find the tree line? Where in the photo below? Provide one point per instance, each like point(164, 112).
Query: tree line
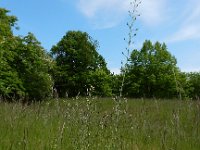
point(73, 67)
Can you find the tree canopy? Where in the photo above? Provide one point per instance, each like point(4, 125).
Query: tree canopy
point(77, 60)
point(24, 64)
point(152, 72)
point(74, 67)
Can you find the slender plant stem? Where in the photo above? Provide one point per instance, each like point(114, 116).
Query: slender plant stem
point(133, 14)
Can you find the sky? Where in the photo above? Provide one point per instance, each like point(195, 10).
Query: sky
point(177, 23)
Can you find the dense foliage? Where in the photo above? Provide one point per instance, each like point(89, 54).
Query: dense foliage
point(74, 67)
point(24, 66)
point(152, 72)
point(79, 67)
point(193, 85)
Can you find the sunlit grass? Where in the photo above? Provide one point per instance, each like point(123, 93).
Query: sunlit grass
point(101, 124)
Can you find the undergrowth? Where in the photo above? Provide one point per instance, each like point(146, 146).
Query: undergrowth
point(100, 124)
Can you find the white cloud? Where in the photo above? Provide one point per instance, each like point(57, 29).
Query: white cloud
point(187, 32)
point(109, 13)
point(90, 8)
point(190, 68)
point(190, 25)
point(153, 12)
point(115, 70)
point(103, 13)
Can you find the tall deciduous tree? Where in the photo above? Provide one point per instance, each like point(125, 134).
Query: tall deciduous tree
point(193, 85)
point(33, 65)
point(24, 64)
point(6, 24)
point(10, 83)
point(152, 72)
point(76, 59)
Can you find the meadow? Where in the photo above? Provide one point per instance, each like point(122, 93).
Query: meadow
point(97, 124)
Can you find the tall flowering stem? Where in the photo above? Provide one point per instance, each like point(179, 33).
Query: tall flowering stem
point(133, 14)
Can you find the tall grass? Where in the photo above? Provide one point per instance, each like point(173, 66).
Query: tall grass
point(101, 124)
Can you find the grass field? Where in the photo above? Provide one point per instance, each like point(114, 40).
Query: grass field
point(101, 124)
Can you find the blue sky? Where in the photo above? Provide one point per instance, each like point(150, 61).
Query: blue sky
point(177, 23)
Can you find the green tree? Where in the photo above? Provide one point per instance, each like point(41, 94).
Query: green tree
point(24, 64)
point(33, 65)
point(116, 84)
point(193, 85)
point(6, 24)
point(77, 60)
point(101, 81)
point(152, 73)
point(10, 84)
